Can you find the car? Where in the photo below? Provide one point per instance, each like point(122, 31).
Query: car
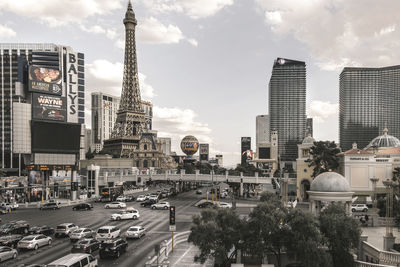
point(86, 245)
point(4, 210)
point(206, 204)
point(107, 232)
point(115, 205)
point(81, 233)
point(121, 198)
point(161, 205)
point(14, 227)
point(34, 242)
point(359, 207)
point(147, 203)
point(44, 230)
point(223, 194)
point(129, 198)
point(7, 253)
point(140, 198)
point(50, 206)
point(75, 260)
point(65, 229)
point(6, 207)
point(199, 192)
point(54, 201)
point(83, 206)
point(154, 197)
point(135, 232)
point(112, 248)
point(126, 215)
point(10, 240)
point(224, 205)
point(147, 196)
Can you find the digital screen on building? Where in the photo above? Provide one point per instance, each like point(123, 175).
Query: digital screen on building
point(245, 146)
point(49, 107)
point(265, 153)
point(53, 137)
point(45, 80)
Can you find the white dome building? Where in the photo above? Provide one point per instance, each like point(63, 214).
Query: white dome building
point(329, 187)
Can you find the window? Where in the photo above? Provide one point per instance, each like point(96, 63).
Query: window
point(145, 147)
point(91, 258)
point(84, 262)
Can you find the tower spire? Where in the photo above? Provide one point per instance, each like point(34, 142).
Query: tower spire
point(130, 123)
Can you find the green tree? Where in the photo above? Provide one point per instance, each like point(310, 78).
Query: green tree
point(305, 245)
point(269, 197)
point(216, 232)
point(396, 179)
point(342, 234)
point(269, 232)
point(324, 157)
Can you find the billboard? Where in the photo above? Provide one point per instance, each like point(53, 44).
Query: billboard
point(204, 151)
point(72, 86)
point(245, 146)
point(49, 107)
point(45, 80)
point(54, 137)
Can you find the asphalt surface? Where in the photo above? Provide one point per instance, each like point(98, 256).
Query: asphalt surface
point(155, 221)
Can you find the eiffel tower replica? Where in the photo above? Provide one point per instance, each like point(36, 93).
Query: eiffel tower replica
point(130, 123)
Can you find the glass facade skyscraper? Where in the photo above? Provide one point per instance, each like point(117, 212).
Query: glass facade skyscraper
point(287, 105)
point(369, 100)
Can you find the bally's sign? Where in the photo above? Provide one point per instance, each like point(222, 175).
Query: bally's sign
point(72, 88)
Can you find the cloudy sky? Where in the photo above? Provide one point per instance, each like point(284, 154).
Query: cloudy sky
point(205, 64)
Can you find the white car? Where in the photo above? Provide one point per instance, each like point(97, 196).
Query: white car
point(153, 197)
point(7, 253)
point(107, 232)
point(115, 205)
point(224, 205)
point(359, 207)
point(141, 198)
point(161, 205)
point(121, 198)
point(81, 233)
point(126, 215)
point(34, 242)
point(135, 232)
point(65, 229)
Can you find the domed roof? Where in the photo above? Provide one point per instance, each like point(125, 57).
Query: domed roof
point(330, 182)
point(384, 140)
point(308, 140)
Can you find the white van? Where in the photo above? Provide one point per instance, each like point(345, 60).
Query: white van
point(75, 260)
point(107, 232)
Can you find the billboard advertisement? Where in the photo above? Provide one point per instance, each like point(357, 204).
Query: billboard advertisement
point(204, 151)
point(45, 80)
point(54, 137)
point(72, 86)
point(49, 107)
point(245, 146)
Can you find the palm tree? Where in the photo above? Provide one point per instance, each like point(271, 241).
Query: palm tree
point(324, 157)
point(396, 178)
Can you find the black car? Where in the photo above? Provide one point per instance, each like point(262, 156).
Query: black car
point(199, 192)
point(112, 248)
point(83, 206)
point(87, 245)
point(10, 240)
point(50, 206)
point(14, 227)
point(148, 203)
point(206, 204)
point(44, 230)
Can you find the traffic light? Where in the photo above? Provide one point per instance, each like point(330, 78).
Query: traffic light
point(172, 215)
point(218, 192)
point(273, 183)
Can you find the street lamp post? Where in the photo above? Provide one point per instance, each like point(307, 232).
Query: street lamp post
point(388, 239)
point(374, 180)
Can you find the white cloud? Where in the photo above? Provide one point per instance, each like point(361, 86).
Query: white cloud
point(176, 123)
point(362, 32)
point(193, 8)
point(6, 32)
point(321, 111)
point(153, 31)
point(106, 76)
point(57, 13)
point(97, 29)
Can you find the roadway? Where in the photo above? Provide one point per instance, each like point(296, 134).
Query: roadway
point(155, 221)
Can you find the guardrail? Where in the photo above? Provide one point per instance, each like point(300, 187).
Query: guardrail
point(384, 257)
point(166, 249)
point(368, 264)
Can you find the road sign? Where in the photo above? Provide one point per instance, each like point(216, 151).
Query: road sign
point(172, 228)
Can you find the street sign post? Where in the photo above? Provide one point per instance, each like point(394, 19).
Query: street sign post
point(172, 228)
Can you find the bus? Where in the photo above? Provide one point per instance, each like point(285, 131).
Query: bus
point(109, 194)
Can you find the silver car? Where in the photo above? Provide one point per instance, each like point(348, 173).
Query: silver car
point(34, 242)
point(81, 233)
point(7, 253)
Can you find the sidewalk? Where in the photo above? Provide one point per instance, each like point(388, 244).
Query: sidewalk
point(183, 256)
point(375, 235)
